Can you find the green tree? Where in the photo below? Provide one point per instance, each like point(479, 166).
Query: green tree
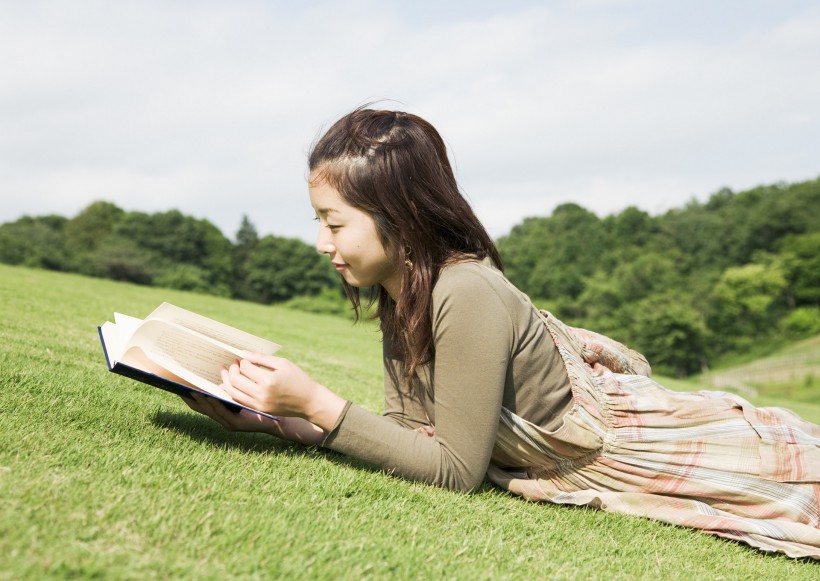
point(770, 213)
point(669, 332)
point(520, 250)
point(282, 268)
point(37, 242)
point(632, 228)
point(247, 240)
point(92, 226)
point(121, 259)
point(187, 277)
point(746, 303)
point(607, 296)
point(702, 237)
point(801, 255)
point(549, 258)
point(172, 239)
point(801, 322)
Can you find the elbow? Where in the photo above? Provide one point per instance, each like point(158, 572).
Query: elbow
point(472, 485)
point(468, 485)
point(465, 486)
point(464, 481)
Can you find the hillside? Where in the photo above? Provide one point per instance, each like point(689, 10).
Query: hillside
point(792, 373)
point(102, 477)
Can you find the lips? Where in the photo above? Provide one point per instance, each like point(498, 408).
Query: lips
point(339, 266)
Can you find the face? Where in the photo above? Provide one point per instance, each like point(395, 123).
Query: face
point(349, 237)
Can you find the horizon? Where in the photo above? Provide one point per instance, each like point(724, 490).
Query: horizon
point(231, 235)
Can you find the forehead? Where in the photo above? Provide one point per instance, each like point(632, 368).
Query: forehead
point(325, 198)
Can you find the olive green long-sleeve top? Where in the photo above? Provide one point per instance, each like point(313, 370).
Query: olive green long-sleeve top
point(491, 350)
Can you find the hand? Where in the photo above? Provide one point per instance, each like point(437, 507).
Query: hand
point(244, 421)
point(292, 429)
point(276, 386)
point(429, 431)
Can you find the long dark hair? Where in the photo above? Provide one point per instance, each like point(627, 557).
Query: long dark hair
point(393, 165)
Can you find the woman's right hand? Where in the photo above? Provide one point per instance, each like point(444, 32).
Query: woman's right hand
point(278, 387)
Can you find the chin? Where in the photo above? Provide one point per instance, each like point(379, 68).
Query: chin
point(352, 281)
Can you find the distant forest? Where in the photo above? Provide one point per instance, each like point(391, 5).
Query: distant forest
point(736, 275)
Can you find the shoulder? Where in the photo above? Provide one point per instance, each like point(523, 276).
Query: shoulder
point(471, 276)
point(473, 300)
point(476, 283)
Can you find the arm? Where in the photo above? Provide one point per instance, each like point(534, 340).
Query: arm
point(473, 337)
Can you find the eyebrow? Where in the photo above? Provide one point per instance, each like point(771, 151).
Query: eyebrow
point(326, 210)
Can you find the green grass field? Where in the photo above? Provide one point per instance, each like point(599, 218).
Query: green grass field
point(103, 477)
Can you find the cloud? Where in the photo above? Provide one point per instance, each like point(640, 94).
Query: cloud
point(210, 107)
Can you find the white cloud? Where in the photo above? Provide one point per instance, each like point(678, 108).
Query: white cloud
point(209, 107)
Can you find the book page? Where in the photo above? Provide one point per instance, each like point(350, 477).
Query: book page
point(194, 358)
point(223, 333)
point(136, 358)
point(124, 326)
point(111, 343)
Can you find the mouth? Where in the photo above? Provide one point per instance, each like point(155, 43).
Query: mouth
point(339, 266)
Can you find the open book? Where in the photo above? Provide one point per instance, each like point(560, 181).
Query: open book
point(178, 351)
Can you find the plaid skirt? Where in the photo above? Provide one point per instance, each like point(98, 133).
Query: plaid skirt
point(705, 460)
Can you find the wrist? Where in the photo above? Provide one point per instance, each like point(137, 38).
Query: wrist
point(297, 429)
point(325, 408)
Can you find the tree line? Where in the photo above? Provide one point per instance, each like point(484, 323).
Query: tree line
point(171, 250)
point(736, 274)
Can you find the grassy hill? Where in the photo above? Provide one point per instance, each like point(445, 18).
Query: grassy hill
point(102, 477)
point(792, 373)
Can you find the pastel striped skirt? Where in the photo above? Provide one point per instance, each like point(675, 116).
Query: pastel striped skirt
point(705, 460)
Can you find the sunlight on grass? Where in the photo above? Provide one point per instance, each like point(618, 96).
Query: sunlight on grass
point(104, 477)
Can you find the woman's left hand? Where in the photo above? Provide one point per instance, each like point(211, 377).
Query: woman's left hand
point(293, 429)
point(241, 421)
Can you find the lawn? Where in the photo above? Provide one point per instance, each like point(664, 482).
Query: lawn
point(102, 477)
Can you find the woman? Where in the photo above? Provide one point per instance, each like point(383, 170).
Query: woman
point(480, 384)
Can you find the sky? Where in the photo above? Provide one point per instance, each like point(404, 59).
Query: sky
point(210, 107)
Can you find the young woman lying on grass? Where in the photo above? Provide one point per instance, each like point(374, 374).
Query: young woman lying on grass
point(479, 384)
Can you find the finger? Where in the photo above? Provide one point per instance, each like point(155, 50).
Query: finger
point(255, 373)
point(227, 382)
point(233, 392)
point(238, 384)
point(196, 402)
point(269, 361)
point(243, 390)
point(223, 415)
point(200, 404)
point(213, 408)
point(191, 403)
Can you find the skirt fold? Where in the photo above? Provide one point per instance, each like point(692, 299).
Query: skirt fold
point(705, 460)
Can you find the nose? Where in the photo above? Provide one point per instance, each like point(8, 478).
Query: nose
point(324, 245)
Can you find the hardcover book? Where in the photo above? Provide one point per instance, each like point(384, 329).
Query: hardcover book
point(178, 351)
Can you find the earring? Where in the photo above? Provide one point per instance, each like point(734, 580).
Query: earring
point(408, 264)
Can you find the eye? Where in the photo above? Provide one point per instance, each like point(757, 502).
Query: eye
point(333, 227)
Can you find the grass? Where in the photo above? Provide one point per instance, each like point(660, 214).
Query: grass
point(792, 372)
point(102, 477)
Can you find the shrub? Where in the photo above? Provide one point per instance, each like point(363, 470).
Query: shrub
point(801, 322)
